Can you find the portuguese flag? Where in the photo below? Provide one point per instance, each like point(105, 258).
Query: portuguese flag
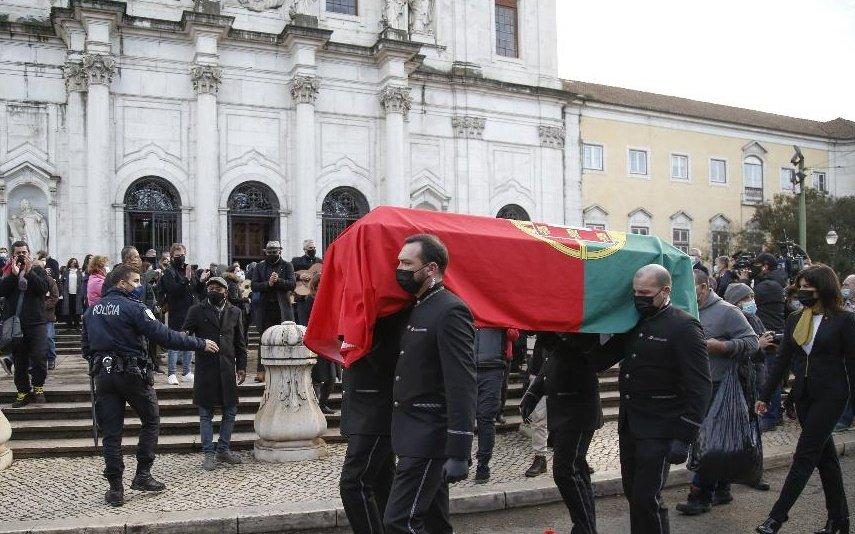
point(512, 274)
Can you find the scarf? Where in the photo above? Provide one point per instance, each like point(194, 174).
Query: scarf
point(803, 333)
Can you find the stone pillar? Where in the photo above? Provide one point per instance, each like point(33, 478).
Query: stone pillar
point(206, 84)
point(396, 102)
point(99, 69)
point(5, 436)
point(289, 422)
point(473, 195)
point(572, 168)
point(75, 127)
point(552, 170)
point(304, 92)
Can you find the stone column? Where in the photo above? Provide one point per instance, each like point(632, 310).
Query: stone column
point(572, 168)
point(304, 92)
point(473, 195)
point(289, 422)
point(99, 69)
point(75, 127)
point(206, 83)
point(552, 169)
point(5, 436)
point(396, 102)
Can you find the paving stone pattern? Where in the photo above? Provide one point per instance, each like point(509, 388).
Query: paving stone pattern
point(59, 488)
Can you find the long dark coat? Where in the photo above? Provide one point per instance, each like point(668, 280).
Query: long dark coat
point(72, 304)
point(215, 383)
point(277, 295)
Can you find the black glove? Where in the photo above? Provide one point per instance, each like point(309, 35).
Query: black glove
point(455, 470)
point(678, 452)
point(527, 406)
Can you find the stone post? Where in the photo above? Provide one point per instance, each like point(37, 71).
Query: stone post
point(5, 435)
point(99, 69)
point(206, 83)
point(396, 102)
point(289, 422)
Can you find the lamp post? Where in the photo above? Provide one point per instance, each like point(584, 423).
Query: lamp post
point(831, 239)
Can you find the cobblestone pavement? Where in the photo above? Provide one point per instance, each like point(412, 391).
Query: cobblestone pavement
point(60, 488)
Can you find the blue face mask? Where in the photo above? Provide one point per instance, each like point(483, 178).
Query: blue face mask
point(750, 308)
point(847, 293)
point(139, 292)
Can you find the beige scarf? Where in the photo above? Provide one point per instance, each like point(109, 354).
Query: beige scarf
point(803, 333)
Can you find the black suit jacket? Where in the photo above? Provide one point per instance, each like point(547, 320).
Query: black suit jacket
point(569, 380)
point(829, 369)
point(435, 392)
point(665, 384)
point(366, 390)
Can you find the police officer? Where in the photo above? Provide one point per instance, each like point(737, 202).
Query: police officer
point(366, 420)
point(114, 332)
point(573, 413)
point(434, 395)
point(664, 387)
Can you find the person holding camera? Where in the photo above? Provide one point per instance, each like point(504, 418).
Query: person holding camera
point(24, 285)
point(819, 346)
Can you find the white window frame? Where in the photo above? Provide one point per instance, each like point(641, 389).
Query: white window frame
point(643, 230)
point(646, 151)
point(710, 173)
point(688, 177)
point(687, 244)
point(790, 187)
point(815, 179)
point(602, 156)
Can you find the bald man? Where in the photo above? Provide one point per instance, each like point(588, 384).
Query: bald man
point(665, 388)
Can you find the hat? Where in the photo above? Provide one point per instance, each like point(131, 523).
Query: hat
point(151, 253)
point(737, 292)
point(767, 259)
point(273, 245)
point(217, 280)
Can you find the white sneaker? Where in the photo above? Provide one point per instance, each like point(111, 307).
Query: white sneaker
point(187, 378)
point(172, 379)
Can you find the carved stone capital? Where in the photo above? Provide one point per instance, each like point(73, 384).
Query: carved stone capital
point(99, 68)
point(206, 79)
point(75, 76)
point(552, 136)
point(468, 126)
point(396, 99)
point(304, 89)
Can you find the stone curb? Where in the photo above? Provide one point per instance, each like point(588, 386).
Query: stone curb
point(330, 514)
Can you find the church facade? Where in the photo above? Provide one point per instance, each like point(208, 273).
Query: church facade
point(223, 124)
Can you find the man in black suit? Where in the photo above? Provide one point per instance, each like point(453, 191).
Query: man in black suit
point(434, 396)
point(665, 389)
point(573, 413)
point(366, 420)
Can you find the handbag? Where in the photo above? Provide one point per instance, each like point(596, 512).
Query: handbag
point(10, 331)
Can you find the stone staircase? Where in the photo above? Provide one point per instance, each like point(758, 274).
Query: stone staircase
point(63, 426)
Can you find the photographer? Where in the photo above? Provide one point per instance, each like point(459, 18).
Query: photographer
point(25, 285)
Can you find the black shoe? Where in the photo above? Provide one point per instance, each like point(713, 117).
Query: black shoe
point(145, 482)
point(326, 410)
point(722, 497)
point(500, 419)
point(770, 526)
point(38, 396)
point(482, 474)
point(51, 366)
point(22, 399)
point(835, 527)
point(761, 486)
point(115, 496)
point(538, 467)
point(697, 503)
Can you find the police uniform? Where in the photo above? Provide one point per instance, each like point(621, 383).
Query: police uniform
point(665, 389)
point(366, 420)
point(114, 340)
point(433, 413)
point(573, 412)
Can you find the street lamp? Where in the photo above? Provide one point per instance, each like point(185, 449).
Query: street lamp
point(831, 238)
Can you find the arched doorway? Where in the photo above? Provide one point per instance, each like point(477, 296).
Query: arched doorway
point(152, 215)
point(253, 221)
point(513, 211)
point(342, 207)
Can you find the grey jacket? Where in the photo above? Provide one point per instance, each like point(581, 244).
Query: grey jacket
point(725, 322)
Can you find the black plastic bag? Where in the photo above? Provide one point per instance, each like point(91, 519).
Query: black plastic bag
point(728, 447)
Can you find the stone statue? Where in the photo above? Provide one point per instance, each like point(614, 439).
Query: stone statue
point(261, 5)
point(29, 225)
point(301, 7)
point(394, 15)
point(421, 16)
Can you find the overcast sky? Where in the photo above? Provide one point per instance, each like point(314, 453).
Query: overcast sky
point(793, 57)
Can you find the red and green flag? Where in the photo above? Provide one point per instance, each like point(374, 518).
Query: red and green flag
point(512, 274)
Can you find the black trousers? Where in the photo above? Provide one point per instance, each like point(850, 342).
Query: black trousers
point(112, 391)
point(418, 502)
point(366, 479)
point(644, 470)
point(489, 400)
point(270, 316)
point(815, 450)
point(570, 472)
point(30, 358)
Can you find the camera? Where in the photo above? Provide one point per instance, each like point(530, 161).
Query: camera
point(792, 258)
point(20, 261)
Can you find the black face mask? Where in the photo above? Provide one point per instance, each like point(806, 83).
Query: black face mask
point(807, 298)
point(178, 261)
point(645, 305)
point(216, 297)
point(311, 253)
point(407, 280)
point(271, 258)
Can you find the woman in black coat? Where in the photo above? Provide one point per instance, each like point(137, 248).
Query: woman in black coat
point(819, 346)
point(73, 293)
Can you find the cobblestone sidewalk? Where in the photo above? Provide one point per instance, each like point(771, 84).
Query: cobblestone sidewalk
point(72, 488)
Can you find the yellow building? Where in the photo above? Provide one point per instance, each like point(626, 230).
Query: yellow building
point(691, 172)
